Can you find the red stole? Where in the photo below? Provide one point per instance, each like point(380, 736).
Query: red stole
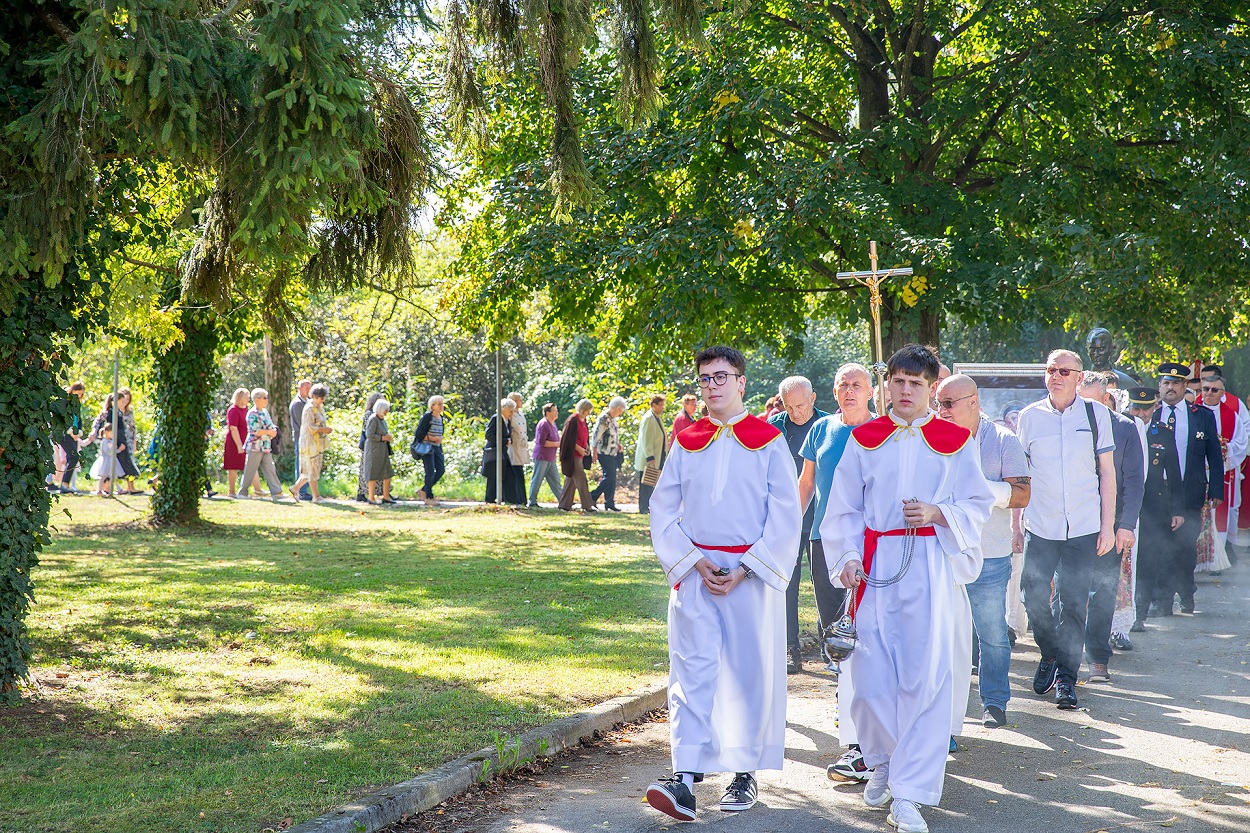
point(1228, 423)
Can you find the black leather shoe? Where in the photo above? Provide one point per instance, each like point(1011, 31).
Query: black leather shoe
point(1011, 637)
point(1138, 627)
point(1065, 696)
point(794, 660)
point(1044, 679)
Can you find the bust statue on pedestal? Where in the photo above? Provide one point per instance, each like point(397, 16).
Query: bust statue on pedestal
point(1102, 353)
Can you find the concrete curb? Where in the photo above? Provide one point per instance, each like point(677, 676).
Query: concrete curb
point(385, 807)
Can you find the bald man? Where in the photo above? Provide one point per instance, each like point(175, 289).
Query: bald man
point(1007, 470)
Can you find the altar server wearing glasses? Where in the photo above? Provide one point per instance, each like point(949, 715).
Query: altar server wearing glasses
point(725, 523)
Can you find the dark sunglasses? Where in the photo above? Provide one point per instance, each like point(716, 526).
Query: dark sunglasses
point(1065, 372)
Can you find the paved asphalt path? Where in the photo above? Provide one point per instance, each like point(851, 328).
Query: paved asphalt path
point(1165, 745)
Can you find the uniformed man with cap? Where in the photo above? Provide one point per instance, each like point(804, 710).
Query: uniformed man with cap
point(1161, 512)
point(1201, 461)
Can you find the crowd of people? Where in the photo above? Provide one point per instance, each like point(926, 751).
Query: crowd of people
point(935, 537)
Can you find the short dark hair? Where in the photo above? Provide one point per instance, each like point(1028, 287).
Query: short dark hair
point(711, 354)
point(916, 360)
point(658, 399)
point(549, 407)
point(319, 390)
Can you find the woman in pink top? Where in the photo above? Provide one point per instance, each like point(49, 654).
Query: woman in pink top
point(236, 438)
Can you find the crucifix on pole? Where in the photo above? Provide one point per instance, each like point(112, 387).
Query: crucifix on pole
point(873, 279)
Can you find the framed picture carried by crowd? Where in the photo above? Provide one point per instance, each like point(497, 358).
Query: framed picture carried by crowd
point(1005, 389)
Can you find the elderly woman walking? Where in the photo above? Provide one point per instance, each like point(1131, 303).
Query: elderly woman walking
point(260, 433)
point(650, 453)
point(518, 454)
point(378, 453)
point(574, 448)
point(362, 480)
point(430, 430)
point(498, 492)
point(314, 434)
point(546, 446)
point(607, 449)
point(234, 454)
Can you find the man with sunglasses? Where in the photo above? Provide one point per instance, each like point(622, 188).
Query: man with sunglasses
point(725, 523)
point(1070, 519)
point(1202, 479)
point(1007, 472)
point(1232, 433)
point(906, 508)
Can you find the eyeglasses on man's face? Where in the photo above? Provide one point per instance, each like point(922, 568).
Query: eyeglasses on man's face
point(950, 403)
point(718, 378)
point(1212, 389)
point(1065, 372)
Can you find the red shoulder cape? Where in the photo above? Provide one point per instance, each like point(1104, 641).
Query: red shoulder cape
point(751, 432)
point(943, 437)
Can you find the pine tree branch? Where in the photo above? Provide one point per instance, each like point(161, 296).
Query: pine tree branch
point(55, 24)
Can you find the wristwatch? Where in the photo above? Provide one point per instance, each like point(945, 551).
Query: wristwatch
point(747, 570)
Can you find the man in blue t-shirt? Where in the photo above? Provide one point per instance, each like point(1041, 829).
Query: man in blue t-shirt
point(852, 387)
point(800, 414)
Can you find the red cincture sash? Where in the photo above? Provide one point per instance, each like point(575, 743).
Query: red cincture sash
point(871, 537)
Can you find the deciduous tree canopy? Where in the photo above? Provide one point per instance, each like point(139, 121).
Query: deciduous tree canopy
point(1066, 161)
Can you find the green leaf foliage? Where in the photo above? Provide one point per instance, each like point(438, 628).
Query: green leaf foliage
point(1067, 163)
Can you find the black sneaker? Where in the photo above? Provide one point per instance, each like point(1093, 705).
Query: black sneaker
point(1044, 679)
point(1121, 642)
point(671, 797)
point(1011, 637)
point(794, 660)
point(1065, 696)
point(993, 717)
point(740, 794)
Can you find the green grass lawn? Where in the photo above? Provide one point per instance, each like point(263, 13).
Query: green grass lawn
point(286, 658)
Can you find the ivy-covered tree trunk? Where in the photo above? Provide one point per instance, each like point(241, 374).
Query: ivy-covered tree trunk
point(32, 411)
point(185, 375)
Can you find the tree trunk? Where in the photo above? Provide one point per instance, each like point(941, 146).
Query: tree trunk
point(279, 383)
point(185, 376)
point(907, 326)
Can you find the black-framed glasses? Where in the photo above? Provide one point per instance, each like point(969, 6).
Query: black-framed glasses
point(718, 378)
point(1211, 389)
point(950, 403)
point(1065, 372)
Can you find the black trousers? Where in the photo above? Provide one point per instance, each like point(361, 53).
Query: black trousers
point(829, 598)
point(1154, 554)
point(611, 464)
point(1184, 557)
point(70, 446)
point(1104, 586)
point(1073, 561)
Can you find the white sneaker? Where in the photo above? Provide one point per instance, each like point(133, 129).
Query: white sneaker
point(905, 815)
point(877, 793)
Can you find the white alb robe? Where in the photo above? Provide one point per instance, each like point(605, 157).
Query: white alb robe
point(1236, 455)
point(727, 654)
point(903, 666)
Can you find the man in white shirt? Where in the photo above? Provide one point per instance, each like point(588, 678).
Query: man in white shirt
point(1233, 423)
point(1070, 519)
point(725, 523)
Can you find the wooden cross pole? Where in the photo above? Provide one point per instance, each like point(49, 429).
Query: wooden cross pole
point(873, 279)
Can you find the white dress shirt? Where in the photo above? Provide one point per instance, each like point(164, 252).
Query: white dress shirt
point(1182, 430)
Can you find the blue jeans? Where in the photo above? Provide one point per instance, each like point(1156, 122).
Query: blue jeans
point(545, 471)
point(434, 467)
point(988, 597)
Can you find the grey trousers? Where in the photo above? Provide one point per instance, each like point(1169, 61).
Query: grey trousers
point(261, 461)
point(545, 471)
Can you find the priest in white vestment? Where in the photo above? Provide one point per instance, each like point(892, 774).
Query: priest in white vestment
point(725, 525)
point(906, 470)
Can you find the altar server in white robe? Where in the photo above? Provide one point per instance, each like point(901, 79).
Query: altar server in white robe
point(725, 525)
point(1233, 441)
point(908, 469)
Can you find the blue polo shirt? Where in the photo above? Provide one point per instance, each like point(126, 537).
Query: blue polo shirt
point(824, 446)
